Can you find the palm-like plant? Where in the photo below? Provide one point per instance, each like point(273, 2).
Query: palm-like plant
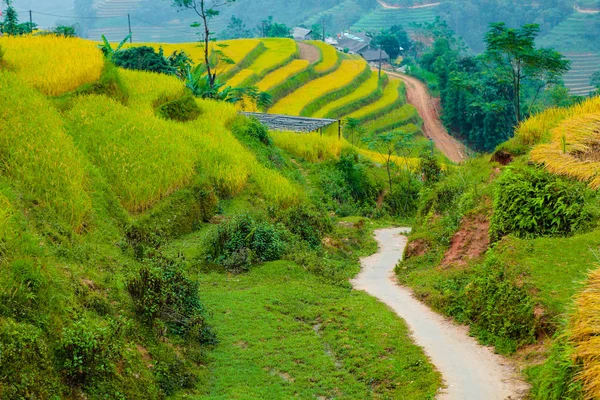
point(107, 48)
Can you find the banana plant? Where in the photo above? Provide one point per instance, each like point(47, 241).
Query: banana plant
point(108, 50)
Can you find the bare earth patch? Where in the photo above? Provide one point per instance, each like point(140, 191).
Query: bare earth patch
point(309, 52)
point(469, 242)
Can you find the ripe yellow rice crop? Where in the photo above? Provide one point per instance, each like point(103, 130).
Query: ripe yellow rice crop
point(390, 95)
point(293, 103)
point(411, 163)
point(280, 75)
point(278, 52)
point(363, 90)
point(53, 65)
point(573, 150)
point(236, 50)
point(39, 155)
point(393, 119)
point(240, 77)
point(537, 128)
point(312, 146)
point(329, 56)
point(146, 87)
point(585, 336)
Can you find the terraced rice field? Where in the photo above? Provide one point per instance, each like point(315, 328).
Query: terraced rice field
point(293, 103)
point(280, 75)
point(364, 90)
point(583, 67)
point(390, 96)
point(382, 18)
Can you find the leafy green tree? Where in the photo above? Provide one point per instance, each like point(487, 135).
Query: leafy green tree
point(389, 146)
point(353, 130)
point(513, 58)
point(236, 29)
point(403, 39)
point(64, 30)
point(273, 29)
point(144, 58)
point(388, 43)
point(316, 32)
point(206, 10)
point(10, 25)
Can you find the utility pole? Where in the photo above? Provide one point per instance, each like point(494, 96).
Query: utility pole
point(323, 24)
point(129, 23)
point(30, 22)
point(380, 62)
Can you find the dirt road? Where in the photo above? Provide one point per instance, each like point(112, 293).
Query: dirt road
point(418, 95)
point(391, 7)
point(470, 371)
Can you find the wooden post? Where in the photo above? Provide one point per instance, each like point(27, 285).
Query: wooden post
point(339, 128)
point(323, 29)
point(321, 131)
point(30, 22)
point(129, 23)
point(379, 62)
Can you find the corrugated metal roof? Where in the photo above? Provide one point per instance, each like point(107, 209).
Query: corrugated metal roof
point(279, 122)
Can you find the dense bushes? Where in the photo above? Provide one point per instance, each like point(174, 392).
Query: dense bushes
point(242, 241)
point(143, 58)
point(309, 223)
point(166, 299)
point(530, 202)
point(182, 109)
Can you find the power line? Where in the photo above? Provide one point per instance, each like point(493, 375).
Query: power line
point(69, 16)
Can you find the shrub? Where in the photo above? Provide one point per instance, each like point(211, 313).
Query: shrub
point(529, 202)
point(306, 221)
point(242, 241)
point(403, 201)
point(143, 58)
point(164, 297)
point(88, 350)
point(362, 188)
point(26, 368)
point(430, 168)
point(254, 129)
point(182, 109)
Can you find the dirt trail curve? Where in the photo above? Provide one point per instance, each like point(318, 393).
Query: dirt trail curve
point(418, 96)
point(470, 371)
point(392, 7)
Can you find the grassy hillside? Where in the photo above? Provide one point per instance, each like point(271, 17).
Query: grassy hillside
point(142, 257)
point(506, 245)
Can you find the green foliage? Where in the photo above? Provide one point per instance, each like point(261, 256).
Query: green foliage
point(236, 29)
point(530, 202)
point(11, 26)
point(65, 30)
point(594, 80)
point(403, 201)
point(242, 241)
point(109, 84)
point(308, 222)
point(166, 299)
point(26, 364)
point(143, 58)
point(273, 29)
point(254, 129)
point(430, 168)
point(88, 350)
point(555, 379)
point(107, 48)
point(180, 109)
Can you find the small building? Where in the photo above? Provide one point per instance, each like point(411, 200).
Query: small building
point(301, 33)
point(354, 43)
point(374, 56)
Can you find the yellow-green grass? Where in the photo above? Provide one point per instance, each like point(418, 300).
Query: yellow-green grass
point(364, 90)
point(160, 156)
point(329, 56)
point(390, 97)
point(409, 162)
point(53, 65)
point(236, 50)
point(6, 214)
point(392, 120)
point(536, 129)
point(38, 155)
point(282, 74)
point(311, 147)
point(144, 158)
point(295, 102)
point(573, 150)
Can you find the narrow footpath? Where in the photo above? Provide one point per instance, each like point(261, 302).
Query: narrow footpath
point(470, 371)
point(418, 95)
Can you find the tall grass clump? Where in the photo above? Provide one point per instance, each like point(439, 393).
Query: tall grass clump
point(536, 129)
point(310, 146)
point(143, 158)
point(573, 150)
point(294, 103)
point(38, 155)
point(54, 65)
point(584, 334)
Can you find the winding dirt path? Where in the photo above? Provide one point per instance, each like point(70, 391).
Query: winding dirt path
point(392, 7)
point(418, 96)
point(470, 371)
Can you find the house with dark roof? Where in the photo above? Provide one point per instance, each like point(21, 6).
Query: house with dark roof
point(360, 43)
point(301, 33)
